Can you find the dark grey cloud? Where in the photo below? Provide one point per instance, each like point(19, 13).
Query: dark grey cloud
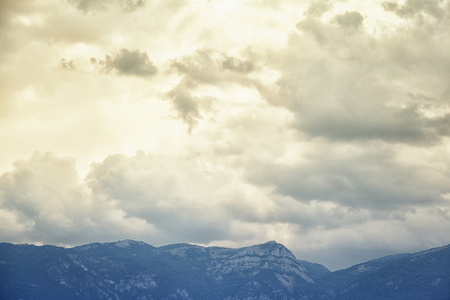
point(127, 62)
point(397, 125)
point(205, 67)
point(186, 105)
point(101, 5)
point(369, 180)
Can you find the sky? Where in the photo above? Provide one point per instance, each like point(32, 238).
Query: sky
point(323, 125)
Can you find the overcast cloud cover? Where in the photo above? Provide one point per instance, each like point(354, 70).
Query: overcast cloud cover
point(323, 125)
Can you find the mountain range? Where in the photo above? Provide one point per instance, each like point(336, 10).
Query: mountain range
point(135, 270)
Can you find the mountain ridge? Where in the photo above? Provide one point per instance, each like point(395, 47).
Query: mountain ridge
point(129, 269)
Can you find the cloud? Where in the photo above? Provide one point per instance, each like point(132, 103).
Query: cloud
point(355, 86)
point(186, 105)
point(412, 8)
point(99, 5)
point(210, 67)
point(205, 67)
point(205, 199)
point(350, 19)
point(357, 178)
point(46, 204)
point(67, 64)
point(30, 24)
point(318, 8)
point(140, 196)
point(127, 62)
point(374, 238)
point(398, 125)
point(176, 195)
point(200, 199)
point(9, 11)
point(237, 65)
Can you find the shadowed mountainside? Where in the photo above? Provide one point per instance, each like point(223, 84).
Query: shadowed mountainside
point(135, 270)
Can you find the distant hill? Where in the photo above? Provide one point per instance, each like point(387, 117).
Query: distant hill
point(135, 270)
point(422, 275)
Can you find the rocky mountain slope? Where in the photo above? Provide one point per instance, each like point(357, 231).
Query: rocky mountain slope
point(422, 275)
point(135, 270)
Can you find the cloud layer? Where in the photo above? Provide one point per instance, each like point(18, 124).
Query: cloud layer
point(323, 125)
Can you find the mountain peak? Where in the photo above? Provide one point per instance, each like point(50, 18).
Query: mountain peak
point(270, 248)
point(127, 243)
point(269, 243)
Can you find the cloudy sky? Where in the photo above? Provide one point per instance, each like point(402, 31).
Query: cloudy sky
point(322, 125)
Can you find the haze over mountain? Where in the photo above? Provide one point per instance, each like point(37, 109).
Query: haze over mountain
point(135, 270)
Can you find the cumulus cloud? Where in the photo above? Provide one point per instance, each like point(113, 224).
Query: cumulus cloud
point(146, 197)
point(355, 86)
point(127, 62)
point(46, 203)
point(165, 193)
point(196, 199)
point(43, 200)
